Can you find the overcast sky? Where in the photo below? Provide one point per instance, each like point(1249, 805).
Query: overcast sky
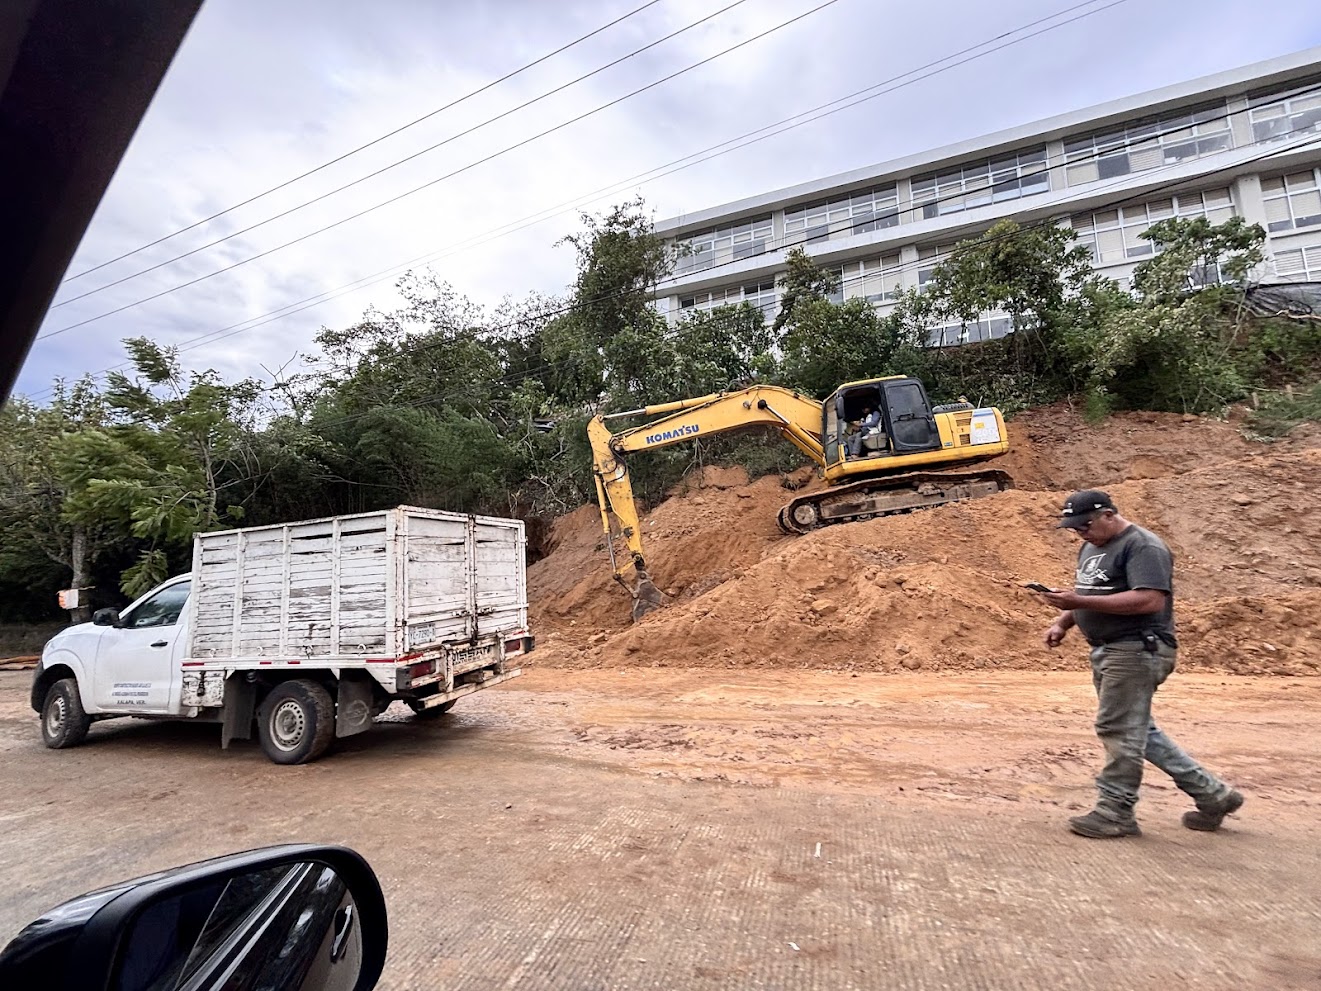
point(263, 90)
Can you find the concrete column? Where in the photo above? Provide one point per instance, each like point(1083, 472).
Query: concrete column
point(904, 190)
point(1055, 162)
point(1246, 194)
point(777, 229)
point(1239, 125)
point(908, 266)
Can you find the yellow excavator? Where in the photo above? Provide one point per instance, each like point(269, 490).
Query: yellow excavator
point(876, 443)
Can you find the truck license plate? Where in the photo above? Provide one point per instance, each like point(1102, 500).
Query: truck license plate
point(421, 634)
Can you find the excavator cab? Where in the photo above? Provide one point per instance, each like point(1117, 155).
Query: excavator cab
point(907, 424)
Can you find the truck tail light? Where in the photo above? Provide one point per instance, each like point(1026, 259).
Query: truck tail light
point(421, 670)
point(520, 646)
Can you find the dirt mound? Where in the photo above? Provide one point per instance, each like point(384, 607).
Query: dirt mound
point(1052, 448)
point(940, 589)
point(710, 531)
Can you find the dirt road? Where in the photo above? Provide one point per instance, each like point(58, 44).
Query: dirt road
point(715, 829)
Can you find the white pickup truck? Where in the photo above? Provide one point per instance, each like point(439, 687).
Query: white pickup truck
point(306, 631)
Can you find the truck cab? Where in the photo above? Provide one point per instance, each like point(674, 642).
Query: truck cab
point(122, 663)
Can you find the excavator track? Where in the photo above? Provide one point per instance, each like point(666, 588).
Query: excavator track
point(888, 495)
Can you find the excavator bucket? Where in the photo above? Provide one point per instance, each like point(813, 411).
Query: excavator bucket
point(646, 597)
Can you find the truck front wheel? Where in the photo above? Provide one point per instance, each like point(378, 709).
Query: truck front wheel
point(63, 721)
point(296, 722)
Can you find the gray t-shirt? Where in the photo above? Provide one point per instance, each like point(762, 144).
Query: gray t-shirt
point(1136, 558)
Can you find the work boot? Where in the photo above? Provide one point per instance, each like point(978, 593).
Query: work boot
point(1207, 818)
point(1097, 827)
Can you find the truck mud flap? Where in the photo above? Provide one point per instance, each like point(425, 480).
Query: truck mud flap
point(240, 707)
point(353, 709)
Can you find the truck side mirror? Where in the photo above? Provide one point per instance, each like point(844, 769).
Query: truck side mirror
point(106, 617)
point(298, 916)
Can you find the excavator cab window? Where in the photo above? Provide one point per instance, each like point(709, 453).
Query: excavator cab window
point(908, 417)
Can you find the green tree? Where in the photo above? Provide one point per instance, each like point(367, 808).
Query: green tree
point(600, 346)
point(158, 469)
point(39, 522)
point(1180, 345)
point(1055, 301)
point(826, 344)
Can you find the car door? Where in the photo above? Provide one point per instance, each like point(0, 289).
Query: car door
point(135, 666)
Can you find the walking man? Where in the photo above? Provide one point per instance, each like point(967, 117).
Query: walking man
point(1123, 602)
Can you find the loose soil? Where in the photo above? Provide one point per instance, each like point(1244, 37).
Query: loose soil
point(940, 589)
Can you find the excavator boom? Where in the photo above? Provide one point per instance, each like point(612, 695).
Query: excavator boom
point(795, 417)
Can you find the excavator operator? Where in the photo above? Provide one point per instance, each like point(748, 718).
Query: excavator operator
point(871, 420)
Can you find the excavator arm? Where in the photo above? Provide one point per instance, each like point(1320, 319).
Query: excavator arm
point(795, 417)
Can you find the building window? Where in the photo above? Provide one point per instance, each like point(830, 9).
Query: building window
point(1115, 236)
point(992, 180)
point(859, 213)
point(1299, 264)
point(874, 279)
point(1147, 145)
point(990, 327)
point(1292, 201)
point(1279, 115)
point(762, 295)
point(723, 245)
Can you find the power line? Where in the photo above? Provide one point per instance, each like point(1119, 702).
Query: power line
point(298, 306)
point(395, 164)
point(448, 175)
point(374, 141)
point(672, 167)
point(660, 171)
point(674, 331)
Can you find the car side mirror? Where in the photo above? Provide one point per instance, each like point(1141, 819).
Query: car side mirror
point(106, 617)
point(302, 917)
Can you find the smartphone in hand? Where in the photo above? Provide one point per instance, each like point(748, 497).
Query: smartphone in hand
point(1038, 587)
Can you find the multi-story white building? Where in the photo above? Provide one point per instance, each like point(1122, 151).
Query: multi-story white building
point(1246, 142)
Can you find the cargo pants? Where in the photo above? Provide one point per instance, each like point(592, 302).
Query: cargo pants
point(1126, 676)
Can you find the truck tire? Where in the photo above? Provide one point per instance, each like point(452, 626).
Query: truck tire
point(422, 712)
point(296, 722)
point(63, 721)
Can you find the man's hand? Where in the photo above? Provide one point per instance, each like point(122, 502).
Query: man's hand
point(1064, 600)
point(1055, 635)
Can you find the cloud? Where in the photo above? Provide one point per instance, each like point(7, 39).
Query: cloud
point(261, 92)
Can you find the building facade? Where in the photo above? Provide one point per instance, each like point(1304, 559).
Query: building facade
point(1245, 142)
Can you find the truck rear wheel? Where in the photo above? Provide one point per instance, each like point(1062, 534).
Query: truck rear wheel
point(423, 712)
point(296, 722)
point(63, 721)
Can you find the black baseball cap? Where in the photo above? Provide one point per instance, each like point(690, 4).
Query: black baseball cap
point(1080, 506)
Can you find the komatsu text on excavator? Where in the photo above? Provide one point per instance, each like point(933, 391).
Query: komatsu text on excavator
point(880, 446)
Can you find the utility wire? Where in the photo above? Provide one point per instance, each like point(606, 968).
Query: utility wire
point(440, 179)
point(374, 141)
point(670, 168)
point(395, 164)
point(673, 332)
point(695, 158)
point(280, 313)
